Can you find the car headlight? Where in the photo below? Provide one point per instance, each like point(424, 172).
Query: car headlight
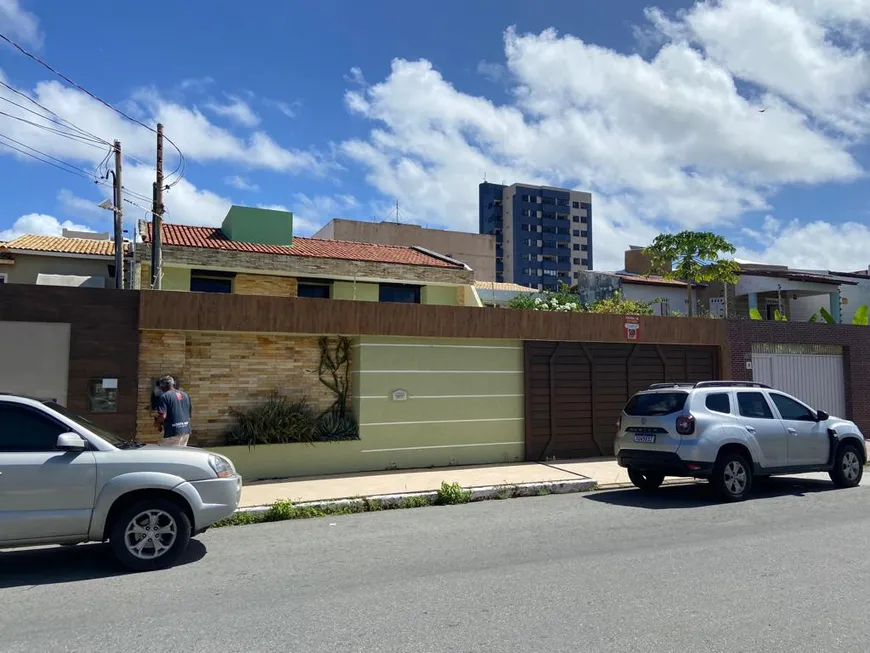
point(221, 466)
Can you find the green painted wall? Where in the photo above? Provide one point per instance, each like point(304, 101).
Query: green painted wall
point(176, 279)
point(465, 406)
point(364, 292)
point(465, 401)
point(442, 295)
point(245, 224)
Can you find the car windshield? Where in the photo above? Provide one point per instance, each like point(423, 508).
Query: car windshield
point(108, 436)
point(656, 403)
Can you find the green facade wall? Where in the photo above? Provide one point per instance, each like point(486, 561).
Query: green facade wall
point(465, 401)
point(442, 295)
point(361, 292)
point(245, 224)
point(176, 279)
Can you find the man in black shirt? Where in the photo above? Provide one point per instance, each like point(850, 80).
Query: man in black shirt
point(173, 413)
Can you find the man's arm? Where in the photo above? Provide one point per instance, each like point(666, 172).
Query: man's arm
point(162, 409)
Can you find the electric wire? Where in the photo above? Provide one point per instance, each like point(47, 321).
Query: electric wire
point(181, 159)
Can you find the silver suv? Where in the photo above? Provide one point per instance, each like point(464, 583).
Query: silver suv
point(64, 480)
point(729, 432)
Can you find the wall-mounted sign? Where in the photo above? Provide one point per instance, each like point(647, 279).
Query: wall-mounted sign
point(632, 327)
point(748, 365)
point(399, 395)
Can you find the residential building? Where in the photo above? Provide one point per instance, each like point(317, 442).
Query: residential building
point(73, 259)
point(475, 250)
point(254, 252)
point(543, 234)
point(495, 294)
point(768, 289)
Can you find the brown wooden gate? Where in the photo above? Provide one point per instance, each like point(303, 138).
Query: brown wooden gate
point(575, 391)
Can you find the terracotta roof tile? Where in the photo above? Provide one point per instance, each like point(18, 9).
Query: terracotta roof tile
point(60, 245)
point(213, 238)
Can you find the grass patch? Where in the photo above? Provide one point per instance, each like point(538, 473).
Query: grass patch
point(449, 494)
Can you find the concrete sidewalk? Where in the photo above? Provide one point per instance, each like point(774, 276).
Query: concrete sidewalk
point(605, 472)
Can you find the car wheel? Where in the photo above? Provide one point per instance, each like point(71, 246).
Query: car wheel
point(848, 470)
point(150, 534)
point(645, 480)
point(732, 477)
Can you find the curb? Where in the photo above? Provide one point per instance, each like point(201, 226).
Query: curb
point(482, 493)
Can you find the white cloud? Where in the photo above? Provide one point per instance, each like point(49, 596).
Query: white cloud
point(237, 110)
point(195, 83)
point(311, 213)
point(664, 142)
point(19, 23)
point(289, 109)
point(39, 224)
point(237, 181)
point(494, 72)
point(77, 206)
point(816, 245)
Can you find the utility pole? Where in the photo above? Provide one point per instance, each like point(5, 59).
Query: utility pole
point(157, 217)
point(119, 222)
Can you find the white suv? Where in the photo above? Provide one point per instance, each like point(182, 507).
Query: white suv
point(64, 480)
point(729, 432)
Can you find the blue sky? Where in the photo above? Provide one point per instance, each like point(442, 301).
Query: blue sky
point(675, 115)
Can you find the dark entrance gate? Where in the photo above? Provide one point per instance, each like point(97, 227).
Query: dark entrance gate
point(575, 391)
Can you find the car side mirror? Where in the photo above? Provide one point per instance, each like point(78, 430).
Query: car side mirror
point(70, 442)
point(821, 416)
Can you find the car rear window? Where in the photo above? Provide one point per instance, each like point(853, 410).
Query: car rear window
point(656, 403)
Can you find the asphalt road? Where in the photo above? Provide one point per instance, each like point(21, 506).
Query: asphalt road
point(603, 572)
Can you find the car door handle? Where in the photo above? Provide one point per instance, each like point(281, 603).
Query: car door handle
point(751, 429)
point(792, 431)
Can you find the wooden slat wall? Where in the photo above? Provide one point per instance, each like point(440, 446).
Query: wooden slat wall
point(104, 341)
point(213, 312)
point(575, 391)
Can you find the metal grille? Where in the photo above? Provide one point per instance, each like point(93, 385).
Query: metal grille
point(789, 348)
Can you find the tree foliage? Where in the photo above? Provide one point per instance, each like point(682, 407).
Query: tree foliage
point(693, 257)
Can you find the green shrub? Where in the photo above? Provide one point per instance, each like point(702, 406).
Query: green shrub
point(333, 425)
point(452, 493)
point(275, 421)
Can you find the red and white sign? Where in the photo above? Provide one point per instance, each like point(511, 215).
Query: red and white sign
point(632, 327)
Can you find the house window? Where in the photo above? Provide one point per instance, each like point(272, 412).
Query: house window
point(576, 261)
point(576, 247)
point(562, 231)
point(314, 289)
point(666, 307)
point(575, 205)
point(551, 273)
point(2, 278)
point(584, 248)
point(584, 234)
point(548, 200)
point(576, 232)
point(103, 395)
point(584, 261)
point(575, 218)
point(211, 281)
point(399, 293)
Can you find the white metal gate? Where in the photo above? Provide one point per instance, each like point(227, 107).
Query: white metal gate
point(812, 373)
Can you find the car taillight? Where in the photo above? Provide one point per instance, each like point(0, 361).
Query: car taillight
point(686, 424)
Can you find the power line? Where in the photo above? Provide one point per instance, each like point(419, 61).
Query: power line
point(181, 163)
point(59, 120)
point(60, 164)
point(73, 137)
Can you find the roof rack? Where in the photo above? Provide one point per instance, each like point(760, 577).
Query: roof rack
point(660, 386)
point(709, 384)
point(726, 384)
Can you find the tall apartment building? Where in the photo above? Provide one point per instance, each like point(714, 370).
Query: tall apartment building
point(543, 234)
point(477, 251)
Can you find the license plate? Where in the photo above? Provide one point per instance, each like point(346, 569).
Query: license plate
point(644, 437)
